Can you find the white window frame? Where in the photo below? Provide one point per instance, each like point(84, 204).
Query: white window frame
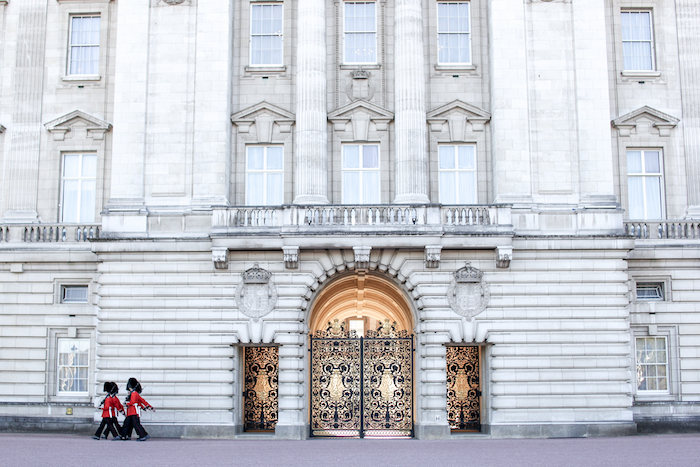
point(65, 287)
point(650, 41)
point(361, 172)
point(639, 364)
point(456, 171)
point(469, 33)
point(345, 33)
point(71, 46)
point(250, 40)
point(80, 179)
point(646, 176)
point(59, 366)
point(265, 171)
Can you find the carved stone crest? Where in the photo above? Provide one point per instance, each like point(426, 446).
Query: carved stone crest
point(468, 295)
point(256, 294)
point(173, 2)
point(360, 86)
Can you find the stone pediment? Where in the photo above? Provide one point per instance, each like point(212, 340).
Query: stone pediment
point(647, 117)
point(264, 116)
point(360, 113)
point(456, 114)
point(94, 126)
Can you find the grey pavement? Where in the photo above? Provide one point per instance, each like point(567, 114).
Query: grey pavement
point(18, 450)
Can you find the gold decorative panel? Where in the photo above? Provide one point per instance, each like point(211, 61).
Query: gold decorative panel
point(361, 386)
point(463, 389)
point(260, 393)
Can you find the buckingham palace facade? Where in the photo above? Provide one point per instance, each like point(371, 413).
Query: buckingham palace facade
point(341, 218)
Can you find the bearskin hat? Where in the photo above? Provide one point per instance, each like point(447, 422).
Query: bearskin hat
point(115, 389)
point(108, 387)
point(133, 385)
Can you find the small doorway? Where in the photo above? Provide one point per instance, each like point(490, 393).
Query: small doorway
point(260, 398)
point(464, 388)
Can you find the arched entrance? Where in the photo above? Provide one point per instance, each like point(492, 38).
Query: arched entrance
point(361, 360)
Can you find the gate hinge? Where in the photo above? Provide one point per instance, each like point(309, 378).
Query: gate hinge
point(478, 393)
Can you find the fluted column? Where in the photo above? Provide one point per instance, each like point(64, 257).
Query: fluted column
point(688, 23)
point(25, 128)
point(311, 158)
point(410, 119)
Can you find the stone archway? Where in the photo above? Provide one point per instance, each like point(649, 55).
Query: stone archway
point(361, 343)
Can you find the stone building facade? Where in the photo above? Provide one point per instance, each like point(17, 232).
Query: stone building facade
point(203, 194)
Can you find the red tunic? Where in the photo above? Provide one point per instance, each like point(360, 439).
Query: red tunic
point(115, 406)
point(135, 400)
point(105, 408)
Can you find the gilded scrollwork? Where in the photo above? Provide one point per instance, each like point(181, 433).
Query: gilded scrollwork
point(463, 389)
point(260, 392)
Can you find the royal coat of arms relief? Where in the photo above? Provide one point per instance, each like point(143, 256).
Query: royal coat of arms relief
point(256, 294)
point(468, 294)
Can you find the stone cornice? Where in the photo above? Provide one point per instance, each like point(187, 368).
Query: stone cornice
point(627, 123)
point(62, 125)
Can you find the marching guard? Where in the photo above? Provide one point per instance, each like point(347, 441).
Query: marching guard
point(109, 407)
point(134, 404)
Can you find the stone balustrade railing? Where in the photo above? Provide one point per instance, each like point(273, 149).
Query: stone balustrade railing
point(348, 216)
point(658, 229)
point(48, 233)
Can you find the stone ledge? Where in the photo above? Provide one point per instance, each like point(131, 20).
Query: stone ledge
point(668, 424)
point(583, 430)
point(46, 424)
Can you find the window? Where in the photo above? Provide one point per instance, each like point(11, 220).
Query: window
point(457, 174)
point(265, 176)
point(637, 41)
point(73, 362)
point(361, 174)
point(74, 294)
point(360, 26)
point(454, 33)
point(652, 291)
point(266, 34)
point(645, 184)
point(84, 40)
point(78, 186)
point(652, 364)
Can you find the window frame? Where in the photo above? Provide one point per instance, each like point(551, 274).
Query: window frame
point(87, 366)
point(265, 173)
point(670, 333)
point(251, 35)
point(69, 60)
point(62, 294)
point(344, 34)
point(361, 171)
point(80, 179)
point(652, 40)
point(456, 171)
point(637, 365)
point(645, 176)
point(470, 33)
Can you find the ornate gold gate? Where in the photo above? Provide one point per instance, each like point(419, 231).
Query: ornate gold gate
point(463, 389)
point(361, 386)
point(260, 392)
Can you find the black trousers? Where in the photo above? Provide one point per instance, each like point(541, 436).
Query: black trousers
point(116, 424)
point(131, 423)
point(110, 428)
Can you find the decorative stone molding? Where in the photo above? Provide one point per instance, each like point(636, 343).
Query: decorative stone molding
point(264, 116)
point(360, 113)
point(96, 128)
point(256, 294)
point(362, 256)
point(173, 2)
point(291, 257)
point(504, 255)
point(220, 257)
point(646, 116)
point(457, 114)
point(360, 86)
point(432, 256)
point(468, 294)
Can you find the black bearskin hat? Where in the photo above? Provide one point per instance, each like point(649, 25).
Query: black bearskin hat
point(108, 387)
point(133, 385)
point(115, 389)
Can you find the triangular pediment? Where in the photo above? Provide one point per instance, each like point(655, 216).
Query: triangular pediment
point(77, 116)
point(263, 108)
point(649, 117)
point(361, 106)
point(459, 107)
point(86, 125)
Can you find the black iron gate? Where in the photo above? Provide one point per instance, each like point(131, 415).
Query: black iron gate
point(361, 386)
point(463, 389)
point(260, 388)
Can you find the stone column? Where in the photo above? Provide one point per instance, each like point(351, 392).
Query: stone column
point(310, 155)
point(688, 23)
point(509, 102)
point(25, 131)
point(593, 105)
point(410, 118)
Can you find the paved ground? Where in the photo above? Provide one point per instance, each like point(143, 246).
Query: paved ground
point(18, 450)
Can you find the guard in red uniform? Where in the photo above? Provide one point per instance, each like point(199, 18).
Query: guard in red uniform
point(115, 408)
point(134, 404)
point(106, 406)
